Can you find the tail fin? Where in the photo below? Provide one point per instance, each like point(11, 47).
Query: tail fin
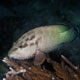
point(76, 29)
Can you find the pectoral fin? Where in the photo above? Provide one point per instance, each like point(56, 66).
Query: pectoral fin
point(39, 58)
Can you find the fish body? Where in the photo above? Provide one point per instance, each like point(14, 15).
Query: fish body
point(41, 39)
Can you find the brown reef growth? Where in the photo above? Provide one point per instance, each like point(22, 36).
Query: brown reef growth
point(23, 70)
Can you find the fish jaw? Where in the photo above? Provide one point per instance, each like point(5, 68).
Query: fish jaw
point(24, 53)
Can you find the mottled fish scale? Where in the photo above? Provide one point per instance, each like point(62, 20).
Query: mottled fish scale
point(44, 39)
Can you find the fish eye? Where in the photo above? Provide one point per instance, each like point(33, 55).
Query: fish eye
point(20, 46)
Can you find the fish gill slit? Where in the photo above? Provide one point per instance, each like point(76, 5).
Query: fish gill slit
point(38, 40)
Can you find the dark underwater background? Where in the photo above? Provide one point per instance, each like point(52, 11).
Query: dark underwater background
point(19, 16)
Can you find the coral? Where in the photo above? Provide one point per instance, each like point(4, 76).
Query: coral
point(24, 70)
